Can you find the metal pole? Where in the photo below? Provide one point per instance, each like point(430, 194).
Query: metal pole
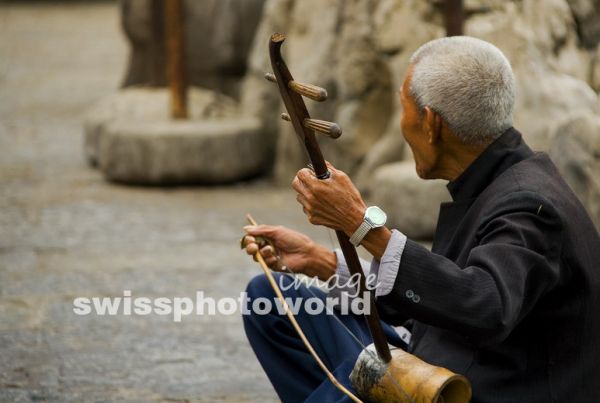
point(453, 17)
point(175, 53)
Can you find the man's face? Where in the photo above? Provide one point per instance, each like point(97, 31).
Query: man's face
point(415, 132)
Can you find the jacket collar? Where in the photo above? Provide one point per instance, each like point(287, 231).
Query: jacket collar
point(501, 154)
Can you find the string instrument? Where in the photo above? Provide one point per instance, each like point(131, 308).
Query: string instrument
point(380, 374)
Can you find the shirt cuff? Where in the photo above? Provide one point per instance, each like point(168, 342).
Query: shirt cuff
point(386, 269)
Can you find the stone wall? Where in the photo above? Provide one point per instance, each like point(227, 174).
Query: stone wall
point(359, 50)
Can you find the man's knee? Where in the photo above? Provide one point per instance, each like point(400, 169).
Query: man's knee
point(259, 287)
point(261, 304)
point(262, 300)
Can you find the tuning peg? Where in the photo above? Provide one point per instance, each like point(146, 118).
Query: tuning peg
point(270, 77)
point(306, 90)
point(330, 129)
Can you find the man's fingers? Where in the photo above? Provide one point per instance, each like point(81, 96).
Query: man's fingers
point(305, 176)
point(301, 199)
point(251, 249)
point(304, 181)
point(264, 230)
point(267, 251)
point(248, 239)
point(271, 262)
point(297, 185)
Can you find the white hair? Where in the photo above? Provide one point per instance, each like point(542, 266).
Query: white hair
point(468, 82)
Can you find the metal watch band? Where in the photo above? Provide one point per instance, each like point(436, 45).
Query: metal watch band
point(360, 233)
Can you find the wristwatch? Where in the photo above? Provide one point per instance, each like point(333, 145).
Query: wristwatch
point(374, 218)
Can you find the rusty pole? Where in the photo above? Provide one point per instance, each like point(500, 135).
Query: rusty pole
point(175, 52)
point(453, 17)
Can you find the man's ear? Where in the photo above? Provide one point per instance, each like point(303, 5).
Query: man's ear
point(433, 125)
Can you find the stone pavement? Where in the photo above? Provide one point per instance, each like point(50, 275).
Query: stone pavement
point(65, 232)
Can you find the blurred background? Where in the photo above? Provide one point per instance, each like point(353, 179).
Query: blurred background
point(136, 134)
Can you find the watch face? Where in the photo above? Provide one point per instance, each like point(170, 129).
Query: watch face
point(376, 216)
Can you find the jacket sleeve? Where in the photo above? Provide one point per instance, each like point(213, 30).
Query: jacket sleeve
point(515, 261)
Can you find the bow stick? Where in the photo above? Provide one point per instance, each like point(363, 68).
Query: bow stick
point(291, 92)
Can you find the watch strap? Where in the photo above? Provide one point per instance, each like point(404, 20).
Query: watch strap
point(360, 233)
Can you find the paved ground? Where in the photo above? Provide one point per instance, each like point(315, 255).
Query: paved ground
point(65, 232)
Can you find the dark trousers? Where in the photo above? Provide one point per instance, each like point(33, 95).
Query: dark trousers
point(291, 369)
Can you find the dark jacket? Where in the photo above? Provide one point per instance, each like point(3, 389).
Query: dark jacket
point(510, 294)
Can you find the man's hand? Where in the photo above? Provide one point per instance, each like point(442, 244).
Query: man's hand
point(293, 249)
point(334, 202)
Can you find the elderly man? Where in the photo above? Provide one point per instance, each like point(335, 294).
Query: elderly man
point(509, 295)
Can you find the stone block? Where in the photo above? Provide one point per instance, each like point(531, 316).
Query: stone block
point(176, 152)
point(131, 138)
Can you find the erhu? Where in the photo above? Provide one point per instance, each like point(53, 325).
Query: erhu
point(380, 374)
